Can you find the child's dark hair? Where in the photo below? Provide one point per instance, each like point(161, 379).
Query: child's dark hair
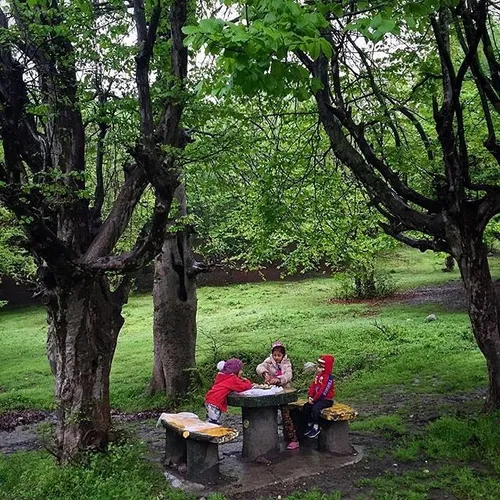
point(279, 348)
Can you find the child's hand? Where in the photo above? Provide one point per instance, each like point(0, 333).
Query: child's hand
point(274, 381)
point(311, 400)
point(267, 377)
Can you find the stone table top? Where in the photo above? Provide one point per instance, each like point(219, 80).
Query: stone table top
point(281, 398)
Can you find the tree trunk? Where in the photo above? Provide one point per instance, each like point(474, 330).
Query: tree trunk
point(482, 303)
point(175, 304)
point(84, 321)
point(449, 264)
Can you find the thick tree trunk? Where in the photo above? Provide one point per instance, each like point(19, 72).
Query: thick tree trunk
point(84, 322)
point(174, 330)
point(483, 307)
point(175, 304)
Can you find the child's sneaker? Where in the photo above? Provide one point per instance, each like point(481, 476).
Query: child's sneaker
point(293, 445)
point(309, 428)
point(314, 432)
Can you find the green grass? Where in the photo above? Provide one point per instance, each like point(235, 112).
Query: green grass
point(375, 346)
point(465, 483)
point(380, 349)
point(122, 473)
point(452, 455)
point(388, 425)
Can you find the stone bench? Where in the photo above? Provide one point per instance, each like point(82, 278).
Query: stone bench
point(334, 436)
point(191, 441)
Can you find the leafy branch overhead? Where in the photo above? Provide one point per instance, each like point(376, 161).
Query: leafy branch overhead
point(408, 94)
point(351, 58)
point(57, 94)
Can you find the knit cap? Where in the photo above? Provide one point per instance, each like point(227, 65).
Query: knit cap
point(233, 365)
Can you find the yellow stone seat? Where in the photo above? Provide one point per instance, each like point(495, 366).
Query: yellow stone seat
point(337, 412)
point(189, 425)
point(334, 437)
point(191, 441)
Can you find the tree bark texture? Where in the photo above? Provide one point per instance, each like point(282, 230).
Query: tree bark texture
point(84, 322)
point(483, 308)
point(175, 304)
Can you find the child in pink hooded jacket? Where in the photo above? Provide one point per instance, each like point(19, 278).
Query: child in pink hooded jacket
point(277, 370)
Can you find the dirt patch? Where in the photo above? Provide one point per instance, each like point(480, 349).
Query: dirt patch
point(10, 420)
point(19, 429)
point(449, 296)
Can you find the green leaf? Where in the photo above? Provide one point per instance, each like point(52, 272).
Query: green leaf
point(316, 84)
point(278, 69)
point(410, 21)
point(386, 26)
point(211, 25)
point(326, 48)
point(190, 30)
point(376, 21)
point(314, 49)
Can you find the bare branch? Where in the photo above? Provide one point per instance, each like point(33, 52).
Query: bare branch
point(418, 126)
point(119, 217)
point(420, 244)
point(146, 247)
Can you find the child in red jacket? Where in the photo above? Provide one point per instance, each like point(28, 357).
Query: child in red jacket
point(228, 379)
point(320, 394)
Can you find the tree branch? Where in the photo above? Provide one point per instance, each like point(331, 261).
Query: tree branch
point(168, 130)
point(147, 245)
point(420, 244)
point(376, 186)
point(145, 41)
point(119, 217)
point(418, 126)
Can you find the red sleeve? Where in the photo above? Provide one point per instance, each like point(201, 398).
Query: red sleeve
point(241, 385)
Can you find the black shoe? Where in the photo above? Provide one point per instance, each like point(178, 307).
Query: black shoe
point(313, 433)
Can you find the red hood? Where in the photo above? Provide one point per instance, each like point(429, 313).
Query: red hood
point(221, 376)
point(329, 361)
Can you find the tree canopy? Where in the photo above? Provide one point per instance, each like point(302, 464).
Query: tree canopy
point(91, 100)
point(375, 70)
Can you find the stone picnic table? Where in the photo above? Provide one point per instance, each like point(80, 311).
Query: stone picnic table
point(260, 420)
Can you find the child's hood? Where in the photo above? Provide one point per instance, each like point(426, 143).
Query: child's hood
point(222, 377)
point(271, 360)
point(329, 361)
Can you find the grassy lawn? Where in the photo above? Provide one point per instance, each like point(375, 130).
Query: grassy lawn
point(381, 348)
point(375, 345)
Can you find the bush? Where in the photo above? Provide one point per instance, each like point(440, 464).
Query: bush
point(366, 283)
point(121, 473)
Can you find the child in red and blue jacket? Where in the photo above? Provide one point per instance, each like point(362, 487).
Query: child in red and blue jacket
point(320, 394)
